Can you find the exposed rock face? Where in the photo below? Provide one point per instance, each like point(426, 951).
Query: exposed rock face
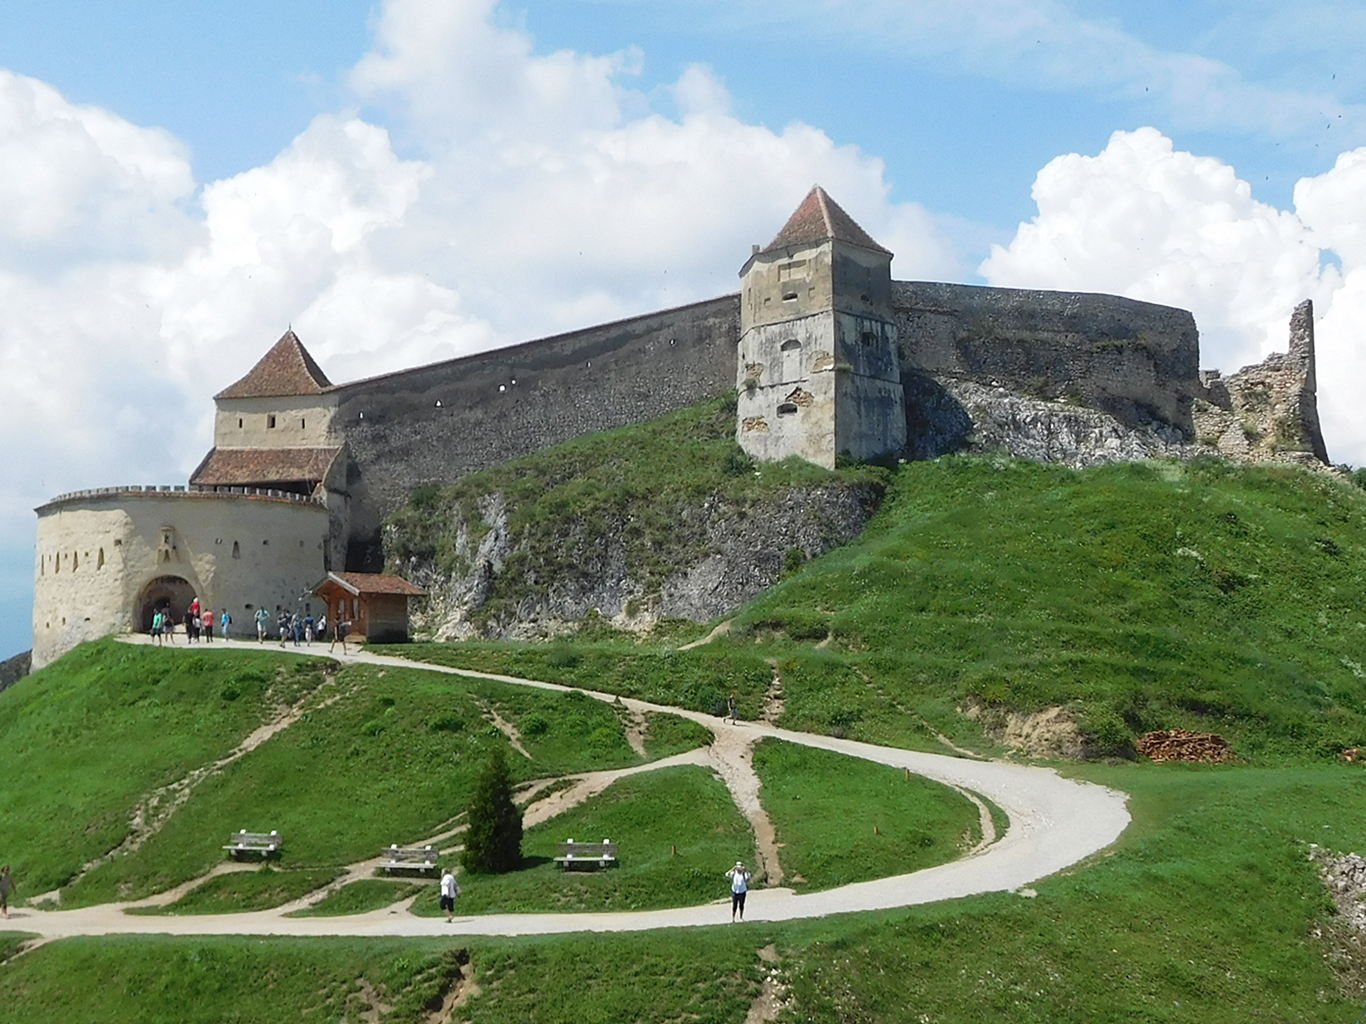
point(745, 551)
point(1268, 411)
point(994, 419)
point(15, 668)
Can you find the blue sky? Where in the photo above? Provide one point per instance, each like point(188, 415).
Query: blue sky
point(422, 178)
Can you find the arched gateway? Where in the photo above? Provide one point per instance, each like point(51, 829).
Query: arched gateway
point(165, 593)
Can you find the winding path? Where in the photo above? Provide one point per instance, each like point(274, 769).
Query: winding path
point(1054, 823)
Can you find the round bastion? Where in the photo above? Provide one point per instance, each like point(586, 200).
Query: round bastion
point(108, 558)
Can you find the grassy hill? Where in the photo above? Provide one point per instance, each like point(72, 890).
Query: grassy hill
point(1143, 596)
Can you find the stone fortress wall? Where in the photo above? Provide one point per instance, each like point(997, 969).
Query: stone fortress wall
point(1056, 376)
point(105, 558)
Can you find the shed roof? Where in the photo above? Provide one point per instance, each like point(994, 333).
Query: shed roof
point(287, 369)
point(254, 467)
point(818, 219)
point(362, 583)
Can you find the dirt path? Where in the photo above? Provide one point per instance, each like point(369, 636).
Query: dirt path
point(774, 702)
point(732, 755)
point(721, 630)
point(505, 727)
point(1055, 822)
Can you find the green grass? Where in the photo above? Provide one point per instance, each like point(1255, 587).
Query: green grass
point(549, 980)
point(241, 891)
point(647, 815)
point(1206, 910)
point(698, 680)
point(637, 486)
point(389, 760)
point(84, 738)
point(1145, 595)
point(361, 897)
point(825, 807)
point(666, 735)
point(10, 942)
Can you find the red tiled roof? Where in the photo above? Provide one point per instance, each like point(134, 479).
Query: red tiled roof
point(260, 467)
point(818, 218)
point(287, 369)
point(371, 583)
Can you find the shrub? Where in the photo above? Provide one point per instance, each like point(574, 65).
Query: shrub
point(493, 843)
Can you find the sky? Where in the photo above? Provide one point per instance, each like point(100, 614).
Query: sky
point(413, 180)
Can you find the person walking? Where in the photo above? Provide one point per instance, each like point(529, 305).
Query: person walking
point(262, 621)
point(296, 627)
point(157, 625)
point(283, 625)
point(224, 621)
point(450, 889)
point(208, 625)
point(192, 624)
point(308, 629)
point(739, 885)
point(734, 708)
point(7, 885)
point(339, 632)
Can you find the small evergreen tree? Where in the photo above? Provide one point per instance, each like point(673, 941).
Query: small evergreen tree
point(493, 842)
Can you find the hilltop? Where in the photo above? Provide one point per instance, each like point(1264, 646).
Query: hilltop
point(1137, 596)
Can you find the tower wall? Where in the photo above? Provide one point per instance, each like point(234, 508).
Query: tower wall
point(98, 552)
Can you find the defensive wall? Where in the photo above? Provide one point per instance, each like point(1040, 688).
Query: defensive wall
point(1135, 360)
point(106, 558)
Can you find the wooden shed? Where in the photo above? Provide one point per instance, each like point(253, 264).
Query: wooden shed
point(376, 605)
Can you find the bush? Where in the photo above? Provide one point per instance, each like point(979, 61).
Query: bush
point(493, 843)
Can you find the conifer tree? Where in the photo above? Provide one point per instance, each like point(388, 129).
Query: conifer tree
point(493, 842)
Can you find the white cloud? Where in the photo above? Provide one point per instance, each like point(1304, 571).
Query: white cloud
point(1144, 220)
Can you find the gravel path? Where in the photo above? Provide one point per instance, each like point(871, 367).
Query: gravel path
point(1054, 823)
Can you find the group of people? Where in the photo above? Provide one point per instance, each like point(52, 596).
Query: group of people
point(198, 622)
point(302, 629)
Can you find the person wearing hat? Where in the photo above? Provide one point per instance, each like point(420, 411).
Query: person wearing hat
point(739, 885)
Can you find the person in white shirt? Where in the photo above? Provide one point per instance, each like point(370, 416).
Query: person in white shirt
point(449, 891)
point(739, 885)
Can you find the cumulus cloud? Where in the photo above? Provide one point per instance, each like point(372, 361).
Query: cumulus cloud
point(1145, 220)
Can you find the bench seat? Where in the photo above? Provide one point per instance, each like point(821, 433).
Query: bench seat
point(264, 843)
point(584, 855)
point(409, 858)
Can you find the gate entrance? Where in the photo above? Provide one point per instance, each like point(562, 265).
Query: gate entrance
point(163, 594)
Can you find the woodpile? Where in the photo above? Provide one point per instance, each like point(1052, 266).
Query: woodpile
point(1183, 745)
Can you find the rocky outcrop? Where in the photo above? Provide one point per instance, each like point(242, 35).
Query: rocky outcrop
point(500, 589)
point(15, 668)
point(1267, 412)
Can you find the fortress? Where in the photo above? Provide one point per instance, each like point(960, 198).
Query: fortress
point(830, 358)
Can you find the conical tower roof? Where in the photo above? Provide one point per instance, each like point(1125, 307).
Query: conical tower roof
point(818, 219)
point(287, 369)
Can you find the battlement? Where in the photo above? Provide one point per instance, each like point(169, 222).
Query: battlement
point(196, 491)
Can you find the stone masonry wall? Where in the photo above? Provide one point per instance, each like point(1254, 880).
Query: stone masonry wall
point(439, 422)
point(1268, 411)
point(1137, 361)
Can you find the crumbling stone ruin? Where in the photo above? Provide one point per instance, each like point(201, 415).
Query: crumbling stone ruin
point(1268, 411)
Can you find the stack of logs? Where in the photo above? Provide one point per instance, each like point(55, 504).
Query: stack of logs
point(1182, 745)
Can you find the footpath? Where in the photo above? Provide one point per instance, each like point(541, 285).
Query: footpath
point(1054, 823)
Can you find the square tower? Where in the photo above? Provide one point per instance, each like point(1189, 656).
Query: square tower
point(818, 373)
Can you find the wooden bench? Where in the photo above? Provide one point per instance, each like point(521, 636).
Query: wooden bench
point(596, 855)
point(264, 843)
point(409, 858)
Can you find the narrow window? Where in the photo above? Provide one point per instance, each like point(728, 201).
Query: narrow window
point(100, 563)
point(792, 360)
point(787, 409)
point(239, 422)
point(869, 338)
point(303, 424)
point(270, 421)
point(75, 560)
point(236, 550)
